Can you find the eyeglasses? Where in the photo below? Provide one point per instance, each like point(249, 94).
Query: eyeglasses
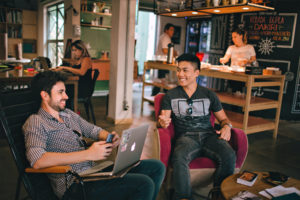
point(82, 142)
point(189, 111)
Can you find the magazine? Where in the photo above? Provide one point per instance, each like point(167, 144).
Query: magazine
point(247, 178)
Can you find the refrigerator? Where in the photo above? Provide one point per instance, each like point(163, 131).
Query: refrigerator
point(197, 42)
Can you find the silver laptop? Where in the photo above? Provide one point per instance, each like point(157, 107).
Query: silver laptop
point(128, 155)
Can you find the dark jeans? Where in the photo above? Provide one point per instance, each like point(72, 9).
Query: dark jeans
point(142, 182)
point(195, 144)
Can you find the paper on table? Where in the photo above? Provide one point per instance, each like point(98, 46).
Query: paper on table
point(278, 191)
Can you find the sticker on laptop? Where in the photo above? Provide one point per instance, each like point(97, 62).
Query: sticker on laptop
point(124, 141)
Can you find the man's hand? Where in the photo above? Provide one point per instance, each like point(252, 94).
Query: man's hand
point(164, 121)
point(116, 139)
point(99, 150)
point(225, 133)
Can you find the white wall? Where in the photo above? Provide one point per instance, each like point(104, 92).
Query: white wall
point(162, 21)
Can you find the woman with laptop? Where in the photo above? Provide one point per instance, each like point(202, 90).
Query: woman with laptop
point(81, 65)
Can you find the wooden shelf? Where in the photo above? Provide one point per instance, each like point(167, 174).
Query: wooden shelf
point(160, 85)
point(228, 9)
point(97, 13)
point(190, 13)
point(238, 8)
point(160, 65)
point(97, 26)
point(244, 121)
point(256, 103)
point(255, 124)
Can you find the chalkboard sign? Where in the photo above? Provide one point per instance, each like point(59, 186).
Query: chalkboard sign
point(270, 30)
point(296, 101)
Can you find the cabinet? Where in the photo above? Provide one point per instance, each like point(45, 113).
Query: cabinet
point(21, 27)
point(103, 66)
point(245, 121)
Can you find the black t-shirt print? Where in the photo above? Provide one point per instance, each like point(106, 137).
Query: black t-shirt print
point(191, 114)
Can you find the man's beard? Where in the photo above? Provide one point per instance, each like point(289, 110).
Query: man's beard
point(57, 107)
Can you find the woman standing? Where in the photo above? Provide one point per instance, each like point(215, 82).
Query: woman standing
point(81, 65)
point(240, 53)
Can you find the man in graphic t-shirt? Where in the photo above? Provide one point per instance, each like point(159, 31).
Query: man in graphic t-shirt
point(190, 106)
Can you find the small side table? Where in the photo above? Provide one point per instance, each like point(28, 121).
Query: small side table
point(230, 187)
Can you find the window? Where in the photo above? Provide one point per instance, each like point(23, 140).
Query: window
point(55, 33)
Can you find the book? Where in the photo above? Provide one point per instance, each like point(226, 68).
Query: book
point(247, 178)
point(245, 195)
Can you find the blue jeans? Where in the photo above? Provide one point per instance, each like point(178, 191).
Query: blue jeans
point(140, 183)
point(195, 144)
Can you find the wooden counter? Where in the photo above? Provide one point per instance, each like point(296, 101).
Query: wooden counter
point(249, 124)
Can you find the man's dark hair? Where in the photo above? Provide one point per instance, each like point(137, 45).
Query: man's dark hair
point(194, 60)
point(168, 26)
point(44, 81)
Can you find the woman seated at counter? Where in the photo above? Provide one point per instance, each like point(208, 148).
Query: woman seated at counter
point(81, 65)
point(240, 53)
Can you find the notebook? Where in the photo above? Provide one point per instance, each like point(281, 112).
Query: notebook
point(128, 155)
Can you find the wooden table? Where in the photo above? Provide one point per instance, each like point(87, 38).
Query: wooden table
point(248, 123)
point(230, 187)
point(21, 78)
point(15, 61)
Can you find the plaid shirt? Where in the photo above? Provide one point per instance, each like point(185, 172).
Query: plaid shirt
point(43, 133)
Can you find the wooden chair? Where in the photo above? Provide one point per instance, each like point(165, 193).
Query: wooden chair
point(201, 168)
point(87, 100)
point(15, 107)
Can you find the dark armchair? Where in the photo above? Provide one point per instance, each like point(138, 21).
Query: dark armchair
point(15, 108)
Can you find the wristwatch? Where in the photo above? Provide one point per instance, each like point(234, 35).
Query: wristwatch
point(228, 124)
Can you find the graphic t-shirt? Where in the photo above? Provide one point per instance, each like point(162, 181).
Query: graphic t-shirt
point(163, 42)
point(191, 114)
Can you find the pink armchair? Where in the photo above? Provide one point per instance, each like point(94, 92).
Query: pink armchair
point(201, 168)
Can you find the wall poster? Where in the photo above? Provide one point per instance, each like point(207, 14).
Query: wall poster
point(269, 30)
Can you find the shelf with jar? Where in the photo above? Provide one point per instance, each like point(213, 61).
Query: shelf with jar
point(20, 27)
point(95, 15)
point(11, 22)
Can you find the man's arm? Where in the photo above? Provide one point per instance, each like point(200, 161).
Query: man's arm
point(224, 132)
point(164, 119)
point(97, 151)
point(225, 59)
